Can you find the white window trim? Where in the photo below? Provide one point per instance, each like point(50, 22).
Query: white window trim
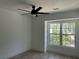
point(62, 20)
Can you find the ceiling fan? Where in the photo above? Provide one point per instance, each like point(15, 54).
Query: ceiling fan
point(34, 11)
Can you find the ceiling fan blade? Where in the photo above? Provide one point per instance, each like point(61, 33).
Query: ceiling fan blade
point(42, 13)
point(25, 14)
point(24, 10)
point(38, 9)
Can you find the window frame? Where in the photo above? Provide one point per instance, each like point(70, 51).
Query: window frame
point(61, 34)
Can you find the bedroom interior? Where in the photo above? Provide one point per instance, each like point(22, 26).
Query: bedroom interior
point(39, 29)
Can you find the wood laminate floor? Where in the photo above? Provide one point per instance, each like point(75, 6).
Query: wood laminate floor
point(39, 55)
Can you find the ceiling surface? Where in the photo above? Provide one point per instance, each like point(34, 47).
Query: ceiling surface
point(48, 5)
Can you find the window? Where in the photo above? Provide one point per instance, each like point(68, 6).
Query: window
point(62, 34)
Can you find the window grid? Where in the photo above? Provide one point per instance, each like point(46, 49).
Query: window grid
point(61, 34)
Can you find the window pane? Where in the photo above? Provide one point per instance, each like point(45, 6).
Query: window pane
point(68, 31)
point(54, 39)
point(55, 28)
point(68, 40)
point(68, 28)
point(55, 31)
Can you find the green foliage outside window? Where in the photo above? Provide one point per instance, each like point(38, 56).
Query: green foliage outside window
point(67, 34)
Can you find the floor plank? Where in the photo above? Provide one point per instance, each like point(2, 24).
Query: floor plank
point(40, 55)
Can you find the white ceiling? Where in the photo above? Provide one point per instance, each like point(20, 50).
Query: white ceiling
point(48, 5)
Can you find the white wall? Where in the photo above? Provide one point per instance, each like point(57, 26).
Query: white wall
point(38, 32)
point(15, 33)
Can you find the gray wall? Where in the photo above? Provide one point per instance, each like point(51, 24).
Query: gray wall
point(38, 32)
point(15, 33)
